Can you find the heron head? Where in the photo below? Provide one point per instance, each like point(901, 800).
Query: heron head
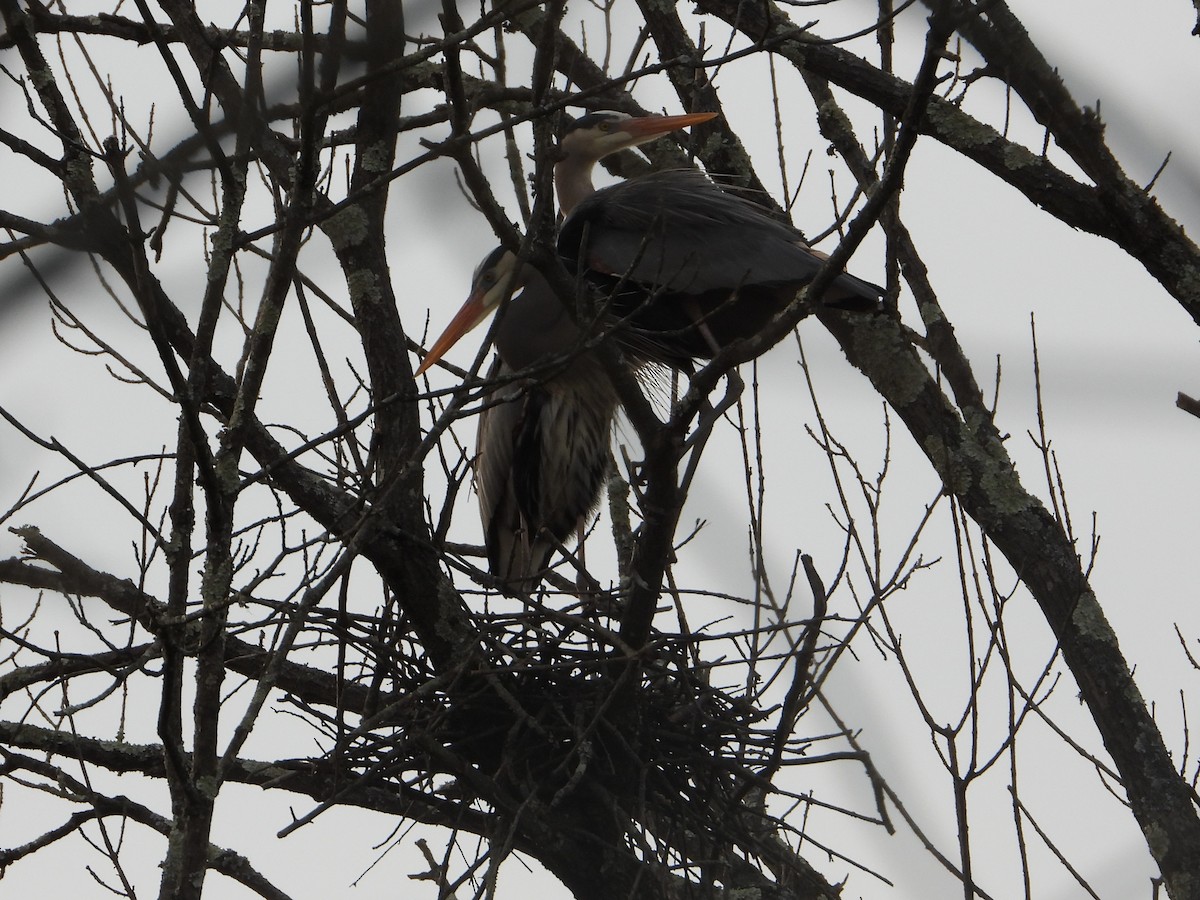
point(598, 134)
point(496, 279)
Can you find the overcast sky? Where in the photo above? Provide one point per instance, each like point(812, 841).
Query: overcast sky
point(1114, 351)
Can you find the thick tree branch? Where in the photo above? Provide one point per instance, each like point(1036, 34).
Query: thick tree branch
point(1119, 212)
point(974, 465)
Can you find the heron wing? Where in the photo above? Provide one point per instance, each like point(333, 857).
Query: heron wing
point(678, 232)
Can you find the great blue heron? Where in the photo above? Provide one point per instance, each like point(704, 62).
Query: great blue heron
point(543, 442)
point(543, 447)
point(691, 267)
point(585, 141)
point(698, 265)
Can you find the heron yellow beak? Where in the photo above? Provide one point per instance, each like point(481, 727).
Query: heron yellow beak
point(498, 277)
point(474, 311)
point(645, 127)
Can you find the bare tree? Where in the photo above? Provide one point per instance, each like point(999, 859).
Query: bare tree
point(291, 582)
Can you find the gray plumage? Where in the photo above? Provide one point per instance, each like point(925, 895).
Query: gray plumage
point(677, 248)
point(687, 267)
point(543, 447)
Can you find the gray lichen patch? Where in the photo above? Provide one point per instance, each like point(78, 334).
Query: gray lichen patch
point(881, 348)
point(974, 465)
point(364, 288)
point(348, 228)
point(377, 157)
point(1018, 157)
point(957, 128)
point(1090, 623)
point(999, 483)
point(955, 473)
point(931, 313)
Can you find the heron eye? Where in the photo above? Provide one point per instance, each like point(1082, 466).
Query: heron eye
point(606, 127)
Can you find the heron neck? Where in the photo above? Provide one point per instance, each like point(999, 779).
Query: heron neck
point(573, 182)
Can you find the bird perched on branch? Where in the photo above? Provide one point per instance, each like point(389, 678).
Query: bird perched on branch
point(677, 254)
point(543, 439)
point(686, 268)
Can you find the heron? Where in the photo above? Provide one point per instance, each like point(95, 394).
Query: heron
point(585, 142)
point(698, 265)
point(542, 448)
point(691, 267)
point(543, 442)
